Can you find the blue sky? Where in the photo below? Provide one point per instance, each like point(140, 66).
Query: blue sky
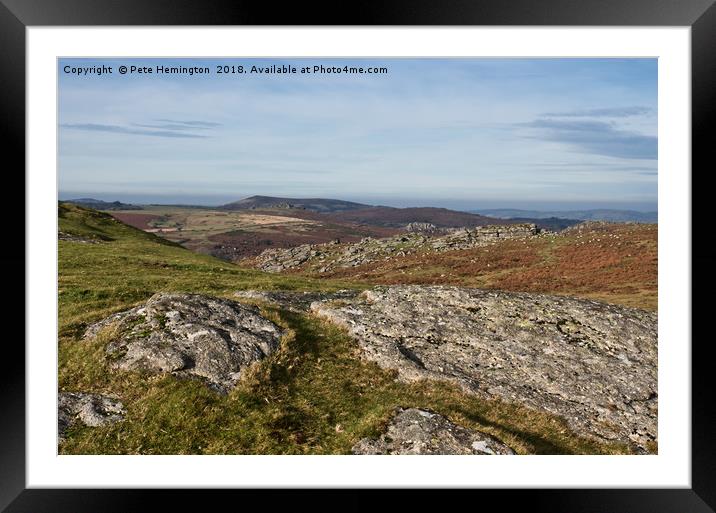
point(458, 133)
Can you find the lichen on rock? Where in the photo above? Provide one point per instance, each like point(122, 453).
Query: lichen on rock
point(89, 409)
point(591, 363)
point(190, 335)
point(417, 431)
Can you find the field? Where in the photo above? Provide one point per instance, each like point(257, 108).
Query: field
point(232, 235)
point(313, 396)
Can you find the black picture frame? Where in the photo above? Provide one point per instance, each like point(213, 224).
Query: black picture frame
point(700, 15)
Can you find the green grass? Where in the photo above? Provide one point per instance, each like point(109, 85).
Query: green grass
point(131, 265)
point(313, 396)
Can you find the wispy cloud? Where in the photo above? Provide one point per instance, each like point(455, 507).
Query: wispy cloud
point(410, 131)
point(614, 112)
point(118, 129)
point(168, 126)
point(596, 137)
point(191, 123)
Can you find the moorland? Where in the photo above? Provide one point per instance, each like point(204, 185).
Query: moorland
point(587, 291)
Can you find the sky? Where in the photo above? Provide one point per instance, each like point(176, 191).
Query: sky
point(456, 133)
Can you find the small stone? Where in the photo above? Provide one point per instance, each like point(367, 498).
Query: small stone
point(89, 409)
point(416, 431)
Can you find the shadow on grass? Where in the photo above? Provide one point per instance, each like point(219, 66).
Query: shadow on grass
point(538, 441)
point(328, 365)
point(313, 396)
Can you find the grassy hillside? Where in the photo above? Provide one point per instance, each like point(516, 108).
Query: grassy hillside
point(313, 396)
point(128, 265)
point(616, 263)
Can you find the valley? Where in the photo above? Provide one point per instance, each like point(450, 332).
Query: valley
point(235, 234)
point(249, 226)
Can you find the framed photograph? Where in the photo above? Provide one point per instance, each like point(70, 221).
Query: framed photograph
point(296, 250)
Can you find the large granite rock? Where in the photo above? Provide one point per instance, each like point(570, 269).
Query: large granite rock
point(415, 431)
point(89, 409)
point(190, 335)
point(591, 363)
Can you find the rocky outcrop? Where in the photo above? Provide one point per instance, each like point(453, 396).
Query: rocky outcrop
point(76, 238)
point(594, 226)
point(415, 431)
point(279, 259)
point(295, 301)
point(326, 257)
point(469, 238)
point(421, 228)
point(591, 363)
point(190, 335)
point(89, 409)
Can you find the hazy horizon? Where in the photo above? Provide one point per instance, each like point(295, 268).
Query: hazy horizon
point(214, 201)
point(452, 132)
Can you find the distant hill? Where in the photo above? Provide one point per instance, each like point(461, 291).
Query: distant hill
point(96, 204)
point(399, 217)
point(583, 215)
point(312, 204)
